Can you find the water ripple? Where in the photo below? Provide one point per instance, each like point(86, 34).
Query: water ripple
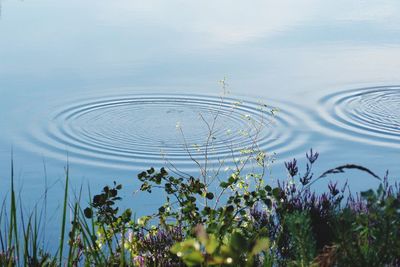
point(370, 115)
point(141, 130)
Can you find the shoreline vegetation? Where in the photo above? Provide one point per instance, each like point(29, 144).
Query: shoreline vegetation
point(227, 215)
point(242, 221)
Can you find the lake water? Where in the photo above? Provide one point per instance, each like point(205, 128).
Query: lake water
point(103, 84)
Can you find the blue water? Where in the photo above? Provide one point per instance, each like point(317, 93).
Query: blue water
point(103, 84)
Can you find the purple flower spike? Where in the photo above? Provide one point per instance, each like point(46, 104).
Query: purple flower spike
point(333, 188)
point(292, 168)
point(312, 157)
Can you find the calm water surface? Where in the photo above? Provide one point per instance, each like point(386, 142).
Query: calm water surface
point(103, 85)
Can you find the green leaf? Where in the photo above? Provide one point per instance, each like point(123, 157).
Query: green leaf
point(261, 244)
point(238, 242)
point(175, 249)
point(276, 192)
point(88, 213)
point(230, 209)
point(212, 244)
point(224, 184)
point(193, 258)
point(268, 188)
point(189, 251)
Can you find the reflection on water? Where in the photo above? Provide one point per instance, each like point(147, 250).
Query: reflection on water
point(301, 54)
point(370, 115)
point(133, 130)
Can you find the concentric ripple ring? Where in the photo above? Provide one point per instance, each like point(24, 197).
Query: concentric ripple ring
point(370, 115)
point(146, 130)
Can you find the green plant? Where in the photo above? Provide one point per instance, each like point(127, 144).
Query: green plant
point(369, 231)
point(302, 240)
point(208, 249)
point(108, 227)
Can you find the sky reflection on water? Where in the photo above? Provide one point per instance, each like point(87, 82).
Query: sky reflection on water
point(52, 53)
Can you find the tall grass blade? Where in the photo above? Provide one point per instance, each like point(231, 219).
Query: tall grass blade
point(64, 214)
point(13, 228)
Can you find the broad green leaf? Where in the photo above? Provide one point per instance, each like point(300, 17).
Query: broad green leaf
point(212, 244)
point(193, 258)
point(261, 244)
